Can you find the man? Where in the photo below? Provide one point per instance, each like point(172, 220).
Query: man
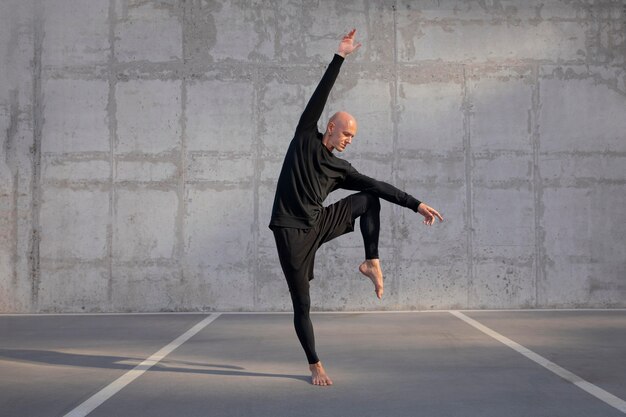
point(301, 224)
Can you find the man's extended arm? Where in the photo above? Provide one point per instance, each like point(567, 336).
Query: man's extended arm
point(358, 182)
point(313, 110)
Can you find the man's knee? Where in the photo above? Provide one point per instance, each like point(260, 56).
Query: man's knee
point(301, 302)
point(363, 203)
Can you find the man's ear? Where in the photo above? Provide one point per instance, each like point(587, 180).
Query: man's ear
point(331, 127)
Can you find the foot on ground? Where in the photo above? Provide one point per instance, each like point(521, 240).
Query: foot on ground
point(371, 269)
point(318, 375)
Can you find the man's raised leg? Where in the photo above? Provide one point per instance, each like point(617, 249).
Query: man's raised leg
point(371, 269)
point(367, 207)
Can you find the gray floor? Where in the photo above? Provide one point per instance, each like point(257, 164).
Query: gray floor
point(382, 364)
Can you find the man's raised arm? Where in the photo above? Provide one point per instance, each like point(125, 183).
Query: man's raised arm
point(313, 110)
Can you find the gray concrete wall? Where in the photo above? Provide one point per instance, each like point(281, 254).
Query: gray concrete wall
point(141, 142)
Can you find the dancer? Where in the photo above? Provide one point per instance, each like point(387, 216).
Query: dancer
point(301, 224)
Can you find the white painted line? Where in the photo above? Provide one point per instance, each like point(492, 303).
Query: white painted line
point(107, 392)
point(594, 390)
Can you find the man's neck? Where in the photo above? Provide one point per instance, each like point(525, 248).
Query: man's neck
point(326, 144)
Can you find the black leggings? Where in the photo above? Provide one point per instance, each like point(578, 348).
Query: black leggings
point(367, 207)
point(291, 242)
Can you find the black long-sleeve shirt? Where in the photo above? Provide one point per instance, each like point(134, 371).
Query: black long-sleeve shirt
point(310, 171)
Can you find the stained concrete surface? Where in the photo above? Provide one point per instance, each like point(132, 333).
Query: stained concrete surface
point(392, 364)
point(142, 140)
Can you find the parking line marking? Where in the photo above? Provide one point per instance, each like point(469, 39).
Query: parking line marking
point(592, 389)
point(107, 392)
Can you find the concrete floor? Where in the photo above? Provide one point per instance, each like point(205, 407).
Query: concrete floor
point(382, 364)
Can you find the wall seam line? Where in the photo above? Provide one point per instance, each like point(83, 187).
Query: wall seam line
point(396, 159)
point(38, 107)
point(537, 187)
point(111, 113)
point(469, 212)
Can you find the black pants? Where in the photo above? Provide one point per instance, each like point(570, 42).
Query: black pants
point(297, 247)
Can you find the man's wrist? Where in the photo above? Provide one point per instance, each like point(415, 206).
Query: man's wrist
point(414, 204)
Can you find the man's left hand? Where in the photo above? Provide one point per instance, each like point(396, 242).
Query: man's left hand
point(429, 214)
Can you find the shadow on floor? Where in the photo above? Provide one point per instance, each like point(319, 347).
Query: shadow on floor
point(51, 357)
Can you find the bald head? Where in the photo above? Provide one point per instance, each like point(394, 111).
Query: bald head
point(340, 130)
point(342, 117)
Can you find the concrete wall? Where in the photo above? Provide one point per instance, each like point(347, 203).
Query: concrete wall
point(141, 142)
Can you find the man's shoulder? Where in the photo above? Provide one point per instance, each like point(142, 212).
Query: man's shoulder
point(311, 132)
point(307, 138)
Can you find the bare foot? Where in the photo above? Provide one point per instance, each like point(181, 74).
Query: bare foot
point(318, 374)
point(371, 269)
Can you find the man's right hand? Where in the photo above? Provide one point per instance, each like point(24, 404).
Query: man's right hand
point(347, 45)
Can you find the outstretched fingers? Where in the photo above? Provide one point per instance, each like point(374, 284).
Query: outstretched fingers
point(436, 213)
point(350, 37)
point(347, 45)
point(430, 214)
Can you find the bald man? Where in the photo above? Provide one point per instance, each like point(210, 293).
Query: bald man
point(300, 222)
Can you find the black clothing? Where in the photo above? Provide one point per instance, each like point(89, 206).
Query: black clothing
point(367, 207)
point(310, 171)
point(297, 247)
point(300, 222)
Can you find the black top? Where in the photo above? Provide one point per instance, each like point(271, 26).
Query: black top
point(310, 171)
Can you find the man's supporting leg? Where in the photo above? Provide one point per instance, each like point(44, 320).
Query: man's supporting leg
point(301, 299)
point(367, 207)
point(293, 245)
point(301, 316)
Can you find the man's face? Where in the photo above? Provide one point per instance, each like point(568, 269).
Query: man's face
point(341, 133)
